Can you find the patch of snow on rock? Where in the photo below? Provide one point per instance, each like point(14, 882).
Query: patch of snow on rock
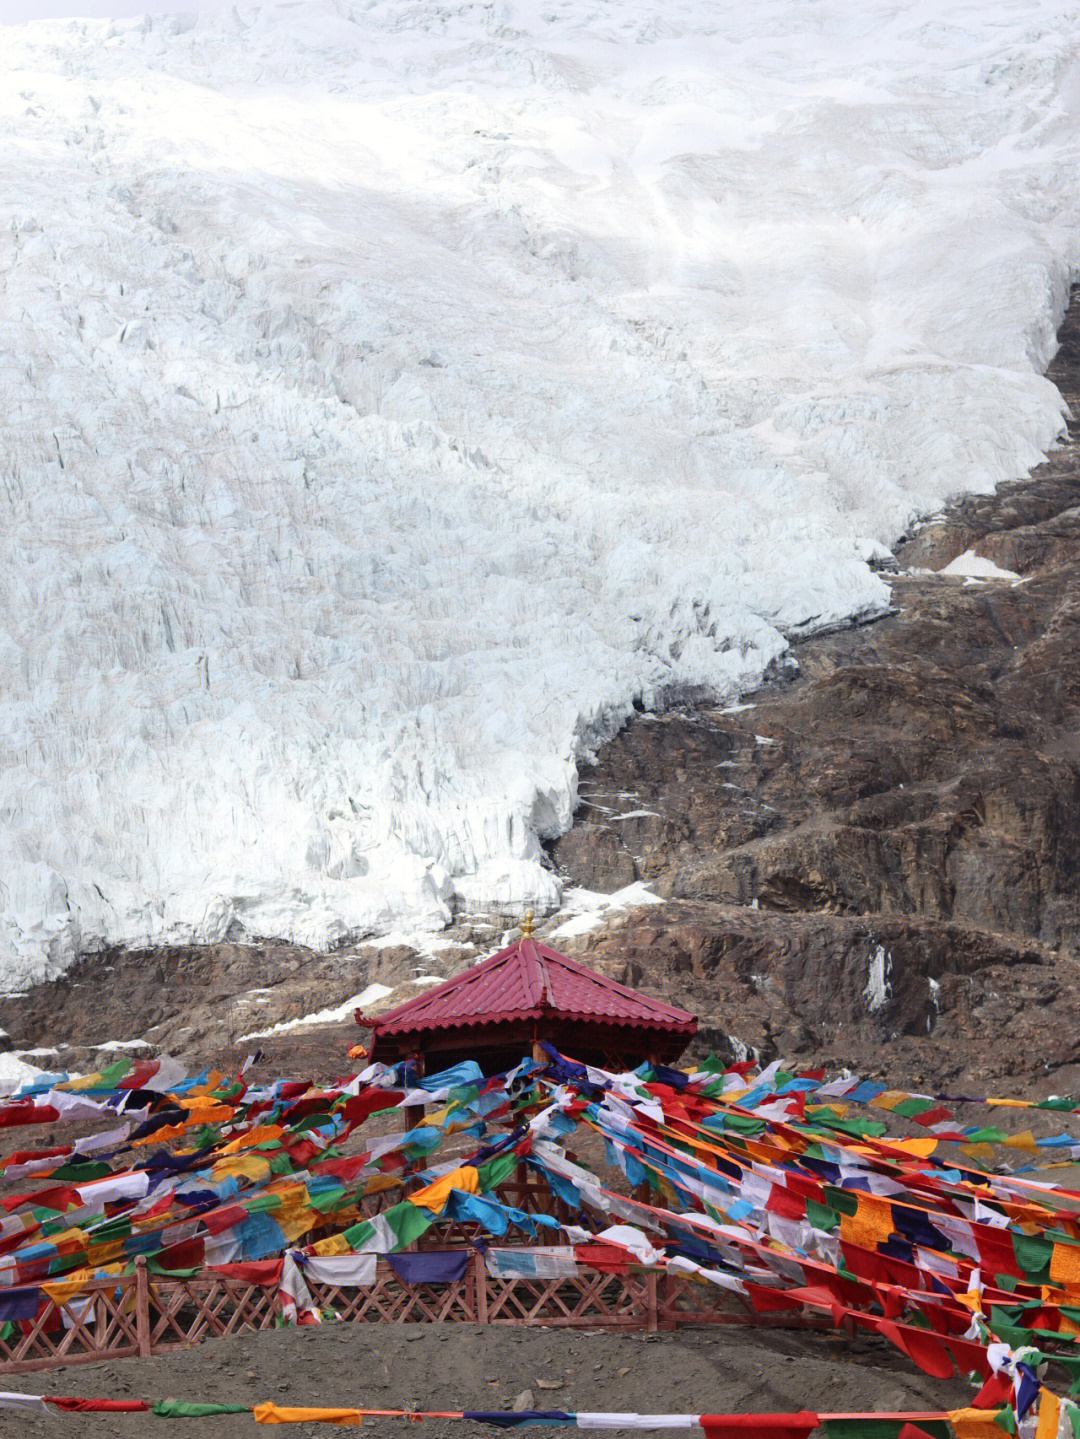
point(396, 398)
point(335, 1015)
point(14, 1072)
point(578, 925)
point(591, 909)
point(969, 565)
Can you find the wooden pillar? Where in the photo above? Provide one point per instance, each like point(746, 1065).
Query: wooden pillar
point(666, 1318)
point(650, 1301)
point(142, 1307)
point(480, 1276)
point(520, 1187)
point(414, 1118)
point(101, 1323)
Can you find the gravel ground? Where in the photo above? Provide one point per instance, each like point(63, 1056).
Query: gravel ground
point(452, 1366)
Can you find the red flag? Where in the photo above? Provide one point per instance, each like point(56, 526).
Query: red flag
point(995, 1392)
point(781, 1201)
point(218, 1220)
point(923, 1349)
point(760, 1426)
point(93, 1406)
point(253, 1271)
point(765, 1300)
point(608, 1258)
point(912, 1431)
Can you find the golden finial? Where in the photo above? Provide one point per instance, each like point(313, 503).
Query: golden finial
point(528, 928)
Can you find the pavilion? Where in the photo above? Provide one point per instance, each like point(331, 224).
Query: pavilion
point(502, 1008)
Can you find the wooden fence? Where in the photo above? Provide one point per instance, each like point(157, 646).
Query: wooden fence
point(142, 1313)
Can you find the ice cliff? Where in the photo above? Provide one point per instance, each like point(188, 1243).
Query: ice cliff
point(395, 393)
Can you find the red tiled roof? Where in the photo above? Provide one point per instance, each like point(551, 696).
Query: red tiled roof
point(527, 981)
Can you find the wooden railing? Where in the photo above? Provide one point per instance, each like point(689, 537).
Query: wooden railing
point(142, 1314)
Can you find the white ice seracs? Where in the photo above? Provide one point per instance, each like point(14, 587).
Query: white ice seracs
point(394, 396)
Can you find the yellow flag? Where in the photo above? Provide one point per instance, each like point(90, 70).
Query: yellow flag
point(434, 1196)
point(289, 1414)
point(1048, 1415)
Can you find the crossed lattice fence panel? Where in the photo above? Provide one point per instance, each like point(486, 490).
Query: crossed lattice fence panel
point(99, 1323)
point(183, 1311)
point(689, 1301)
point(589, 1299)
point(391, 1300)
point(145, 1314)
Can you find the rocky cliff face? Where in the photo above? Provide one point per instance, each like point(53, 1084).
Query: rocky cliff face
point(885, 849)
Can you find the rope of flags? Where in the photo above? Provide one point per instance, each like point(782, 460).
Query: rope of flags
point(772, 1185)
point(932, 1424)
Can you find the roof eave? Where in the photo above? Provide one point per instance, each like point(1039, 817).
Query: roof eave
point(686, 1026)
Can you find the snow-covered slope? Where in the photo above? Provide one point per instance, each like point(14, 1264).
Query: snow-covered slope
point(394, 393)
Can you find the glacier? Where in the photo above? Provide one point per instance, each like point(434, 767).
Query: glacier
point(397, 394)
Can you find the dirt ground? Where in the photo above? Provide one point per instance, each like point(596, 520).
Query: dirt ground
point(457, 1366)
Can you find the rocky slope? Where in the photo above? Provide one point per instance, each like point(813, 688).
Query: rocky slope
point(875, 862)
